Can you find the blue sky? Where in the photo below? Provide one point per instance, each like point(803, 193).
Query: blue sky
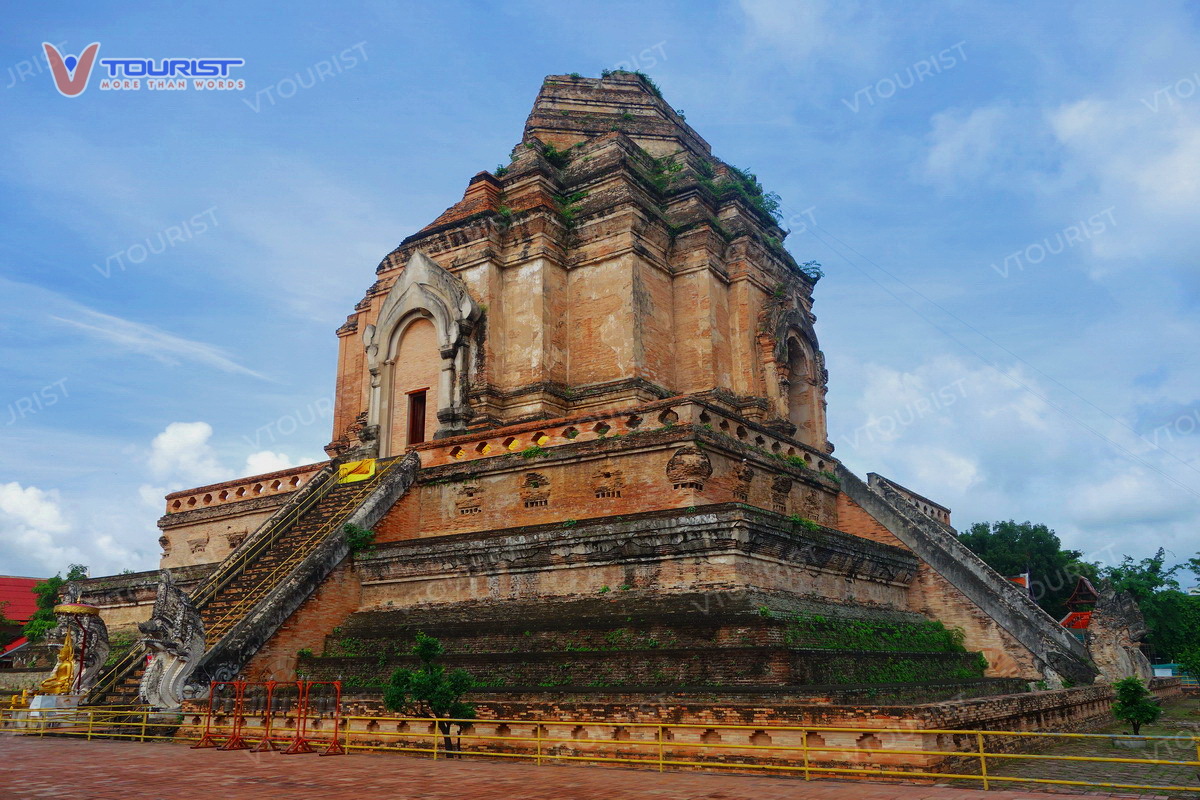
point(1003, 198)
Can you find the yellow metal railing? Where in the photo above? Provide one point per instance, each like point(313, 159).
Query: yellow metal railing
point(298, 553)
point(228, 570)
point(652, 748)
point(224, 574)
point(232, 567)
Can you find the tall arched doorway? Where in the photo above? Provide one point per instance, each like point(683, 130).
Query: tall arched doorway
point(415, 365)
point(800, 394)
point(420, 352)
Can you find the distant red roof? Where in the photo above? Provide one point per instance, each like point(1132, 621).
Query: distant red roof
point(13, 645)
point(18, 593)
point(1077, 620)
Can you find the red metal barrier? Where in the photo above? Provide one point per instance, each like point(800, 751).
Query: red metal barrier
point(235, 740)
point(301, 741)
point(207, 740)
point(335, 748)
point(265, 744)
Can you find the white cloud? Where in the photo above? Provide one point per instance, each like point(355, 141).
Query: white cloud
point(32, 527)
point(41, 531)
point(182, 456)
point(964, 146)
point(971, 438)
point(1144, 164)
point(152, 496)
point(148, 340)
point(938, 466)
point(268, 461)
point(182, 453)
point(801, 32)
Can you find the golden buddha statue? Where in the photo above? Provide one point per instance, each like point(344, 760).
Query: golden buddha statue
point(63, 677)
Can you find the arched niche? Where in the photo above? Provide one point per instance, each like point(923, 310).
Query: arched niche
point(799, 387)
point(425, 296)
point(798, 367)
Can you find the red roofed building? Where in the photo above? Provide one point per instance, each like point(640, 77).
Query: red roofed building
point(17, 605)
point(18, 594)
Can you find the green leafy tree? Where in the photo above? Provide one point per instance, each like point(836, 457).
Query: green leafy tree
point(43, 620)
point(1189, 659)
point(1172, 615)
point(1011, 547)
point(431, 690)
point(1144, 578)
point(1135, 704)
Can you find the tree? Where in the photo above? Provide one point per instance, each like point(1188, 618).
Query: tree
point(429, 690)
point(1011, 548)
point(1144, 578)
point(1172, 615)
point(1189, 659)
point(43, 620)
point(1135, 704)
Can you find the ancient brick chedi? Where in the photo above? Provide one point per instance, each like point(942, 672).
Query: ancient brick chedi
point(601, 371)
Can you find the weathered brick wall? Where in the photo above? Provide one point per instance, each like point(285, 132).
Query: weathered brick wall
point(852, 518)
point(1016, 636)
point(639, 281)
point(203, 525)
point(338, 597)
point(935, 597)
point(668, 667)
point(713, 548)
point(209, 535)
point(581, 473)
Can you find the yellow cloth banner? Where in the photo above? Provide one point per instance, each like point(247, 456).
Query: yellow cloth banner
point(356, 471)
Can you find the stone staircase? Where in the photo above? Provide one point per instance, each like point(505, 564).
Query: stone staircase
point(1059, 655)
point(261, 583)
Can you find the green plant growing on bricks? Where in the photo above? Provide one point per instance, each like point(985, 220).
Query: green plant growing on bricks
point(359, 540)
point(831, 633)
point(119, 645)
point(1135, 704)
point(801, 522)
point(431, 690)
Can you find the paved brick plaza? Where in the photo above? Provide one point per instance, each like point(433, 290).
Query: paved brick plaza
point(102, 770)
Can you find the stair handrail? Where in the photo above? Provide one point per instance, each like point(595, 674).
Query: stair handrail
point(336, 518)
point(218, 579)
point(228, 569)
point(117, 672)
point(233, 565)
